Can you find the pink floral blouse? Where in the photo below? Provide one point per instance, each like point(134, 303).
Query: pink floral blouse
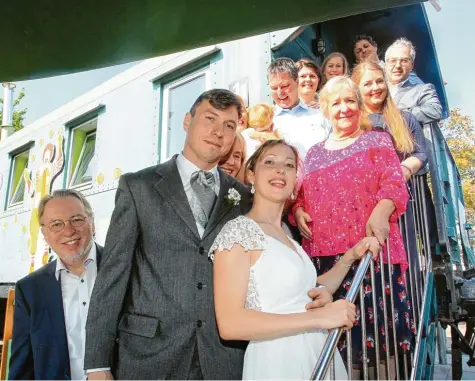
point(340, 189)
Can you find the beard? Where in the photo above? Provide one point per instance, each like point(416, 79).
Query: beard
point(80, 256)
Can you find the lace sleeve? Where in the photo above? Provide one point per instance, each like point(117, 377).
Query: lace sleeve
point(242, 231)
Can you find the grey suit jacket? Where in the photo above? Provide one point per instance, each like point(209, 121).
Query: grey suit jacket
point(152, 302)
point(419, 99)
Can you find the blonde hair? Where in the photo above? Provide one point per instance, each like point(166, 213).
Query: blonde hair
point(260, 116)
point(393, 118)
point(333, 86)
point(325, 62)
point(239, 138)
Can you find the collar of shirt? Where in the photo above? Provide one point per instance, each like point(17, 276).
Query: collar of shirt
point(300, 106)
point(186, 168)
point(394, 88)
point(90, 258)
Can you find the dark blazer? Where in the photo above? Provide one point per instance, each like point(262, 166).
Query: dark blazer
point(420, 100)
point(154, 294)
point(39, 341)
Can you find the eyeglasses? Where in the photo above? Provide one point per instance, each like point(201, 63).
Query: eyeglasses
point(58, 225)
point(394, 61)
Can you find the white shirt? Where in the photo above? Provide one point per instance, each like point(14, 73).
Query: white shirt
point(76, 292)
point(251, 144)
point(301, 126)
point(186, 168)
point(394, 88)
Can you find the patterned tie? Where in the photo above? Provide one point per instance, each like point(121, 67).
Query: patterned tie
point(202, 183)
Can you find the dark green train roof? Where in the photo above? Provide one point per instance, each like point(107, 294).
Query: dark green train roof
point(53, 37)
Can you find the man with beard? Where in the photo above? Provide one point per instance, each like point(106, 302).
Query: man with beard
point(51, 304)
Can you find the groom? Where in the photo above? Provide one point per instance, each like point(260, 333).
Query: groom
point(152, 312)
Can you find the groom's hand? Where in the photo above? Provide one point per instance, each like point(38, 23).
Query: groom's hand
point(321, 297)
point(101, 375)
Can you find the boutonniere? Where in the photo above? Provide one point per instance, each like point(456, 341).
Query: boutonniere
point(233, 197)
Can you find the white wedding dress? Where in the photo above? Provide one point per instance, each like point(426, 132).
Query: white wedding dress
point(278, 283)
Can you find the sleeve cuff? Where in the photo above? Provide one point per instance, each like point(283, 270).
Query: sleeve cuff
point(97, 370)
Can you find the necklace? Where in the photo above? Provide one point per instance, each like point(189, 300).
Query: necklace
point(344, 138)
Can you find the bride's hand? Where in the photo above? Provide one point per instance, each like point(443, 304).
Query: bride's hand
point(339, 314)
point(321, 297)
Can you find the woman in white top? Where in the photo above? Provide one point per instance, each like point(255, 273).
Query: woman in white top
point(262, 279)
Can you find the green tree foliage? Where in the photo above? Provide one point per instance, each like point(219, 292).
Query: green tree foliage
point(459, 131)
point(18, 114)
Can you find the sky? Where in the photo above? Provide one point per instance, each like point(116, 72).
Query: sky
point(454, 37)
point(451, 29)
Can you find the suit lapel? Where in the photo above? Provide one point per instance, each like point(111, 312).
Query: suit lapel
point(54, 295)
point(403, 91)
point(99, 250)
point(171, 188)
point(221, 207)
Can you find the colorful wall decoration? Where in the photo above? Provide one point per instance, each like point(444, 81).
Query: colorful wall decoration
point(39, 185)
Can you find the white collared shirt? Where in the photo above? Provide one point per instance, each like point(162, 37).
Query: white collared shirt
point(301, 126)
point(76, 292)
point(394, 88)
point(186, 169)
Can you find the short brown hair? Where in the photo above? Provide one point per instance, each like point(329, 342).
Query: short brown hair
point(305, 62)
point(63, 193)
point(220, 99)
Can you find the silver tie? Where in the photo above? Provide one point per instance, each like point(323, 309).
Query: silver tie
point(202, 183)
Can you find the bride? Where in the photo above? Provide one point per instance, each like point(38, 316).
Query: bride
point(262, 279)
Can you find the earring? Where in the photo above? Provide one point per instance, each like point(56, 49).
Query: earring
point(292, 196)
point(253, 190)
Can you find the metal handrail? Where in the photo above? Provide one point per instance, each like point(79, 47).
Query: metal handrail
point(426, 307)
point(328, 351)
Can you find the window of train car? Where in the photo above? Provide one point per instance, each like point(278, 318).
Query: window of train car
point(16, 192)
point(177, 97)
point(82, 148)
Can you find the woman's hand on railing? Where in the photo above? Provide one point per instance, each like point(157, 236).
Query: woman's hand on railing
point(321, 297)
point(359, 250)
point(339, 314)
point(302, 219)
point(378, 225)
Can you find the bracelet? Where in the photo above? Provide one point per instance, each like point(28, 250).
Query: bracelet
point(409, 169)
point(345, 264)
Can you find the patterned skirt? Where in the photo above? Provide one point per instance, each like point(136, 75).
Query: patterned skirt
point(401, 318)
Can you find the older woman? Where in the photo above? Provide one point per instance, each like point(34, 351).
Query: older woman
point(335, 64)
point(310, 77)
point(403, 127)
point(353, 187)
point(233, 162)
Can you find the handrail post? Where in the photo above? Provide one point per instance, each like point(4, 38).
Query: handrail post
point(424, 312)
point(328, 350)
